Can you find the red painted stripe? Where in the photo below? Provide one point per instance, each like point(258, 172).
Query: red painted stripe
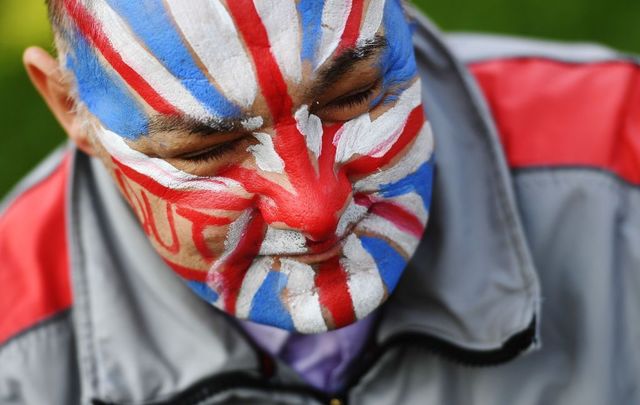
point(256, 184)
point(558, 114)
point(150, 221)
point(199, 223)
point(200, 199)
point(92, 30)
point(272, 83)
point(319, 193)
point(322, 195)
point(333, 290)
point(228, 278)
point(368, 164)
point(34, 261)
point(352, 27)
point(400, 217)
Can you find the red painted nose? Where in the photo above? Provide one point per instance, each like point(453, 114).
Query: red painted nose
point(309, 194)
point(314, 210)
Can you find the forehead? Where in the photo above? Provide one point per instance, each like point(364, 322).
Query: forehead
point(207, 59)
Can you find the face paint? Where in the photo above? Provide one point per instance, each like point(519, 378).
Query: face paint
point(312, 228)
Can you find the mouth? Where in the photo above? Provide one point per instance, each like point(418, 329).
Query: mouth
point(315, 252)
point(322, 253)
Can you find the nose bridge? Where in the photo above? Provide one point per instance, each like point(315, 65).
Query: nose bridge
point(315, 193)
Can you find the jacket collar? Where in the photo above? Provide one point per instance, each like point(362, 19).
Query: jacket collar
point(472, 283)
point(142, 335)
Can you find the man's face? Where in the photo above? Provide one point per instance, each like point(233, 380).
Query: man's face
point(274, 151)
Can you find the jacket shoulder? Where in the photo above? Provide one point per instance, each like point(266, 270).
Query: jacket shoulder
point(34, 260)
point(559, 105)
point(475, 48)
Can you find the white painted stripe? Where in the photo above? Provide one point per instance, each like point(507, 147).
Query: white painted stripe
point(253, 123)
point(380, 226)
point(159, 169)
point(334, 19)
point(145, 64)
point(419, 153)
point(310, 126)
point(283, 242)
point(280, 19)
point(303, 300)
point(352, 214)
point(251, 283)
point(372, 21)
point(236, 229)
point(209, 29)
point(234, 236)
point(363, 137)
point(265, 154)
point(364, 281)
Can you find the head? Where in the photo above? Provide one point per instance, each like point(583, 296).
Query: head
point(276, 153)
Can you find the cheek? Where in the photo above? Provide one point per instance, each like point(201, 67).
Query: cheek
point(186, 217)
point(182, 234)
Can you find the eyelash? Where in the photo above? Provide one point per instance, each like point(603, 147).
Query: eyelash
point(219, 151)
point(354, 100)
point(214, 153)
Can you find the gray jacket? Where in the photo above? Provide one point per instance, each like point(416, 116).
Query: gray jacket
point(525, 289)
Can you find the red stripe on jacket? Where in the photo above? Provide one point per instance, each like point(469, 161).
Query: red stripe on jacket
point(559, 114)
point(34, 261)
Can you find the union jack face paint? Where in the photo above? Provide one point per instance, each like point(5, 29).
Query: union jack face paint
point(306, 220)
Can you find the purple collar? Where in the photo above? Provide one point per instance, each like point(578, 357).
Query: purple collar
point(321, 359)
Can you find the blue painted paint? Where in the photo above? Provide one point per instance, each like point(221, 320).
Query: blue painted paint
point(204, 291)
point(398, 62)
point(104, 93)
point(311, 20)
point(267, 308)
point(420, 181)
point(390, 263)
point(151, 23)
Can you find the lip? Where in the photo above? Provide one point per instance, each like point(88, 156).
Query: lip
point(318, 257)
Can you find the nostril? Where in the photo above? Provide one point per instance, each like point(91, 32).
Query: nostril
point(320, 245)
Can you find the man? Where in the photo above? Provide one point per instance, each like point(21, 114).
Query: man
point(274, 160)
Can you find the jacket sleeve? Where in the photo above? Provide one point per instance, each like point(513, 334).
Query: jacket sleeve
point(37, 352)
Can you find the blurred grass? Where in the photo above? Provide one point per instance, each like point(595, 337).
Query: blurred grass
point(29, 132)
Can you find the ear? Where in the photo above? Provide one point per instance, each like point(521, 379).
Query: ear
point(46, 77)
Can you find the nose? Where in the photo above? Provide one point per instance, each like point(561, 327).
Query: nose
point(313, 209)
point(309, 193)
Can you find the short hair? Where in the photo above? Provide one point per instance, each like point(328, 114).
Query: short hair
point(56, 13)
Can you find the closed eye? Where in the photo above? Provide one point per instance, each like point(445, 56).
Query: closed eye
point(353, 99)
point(213, 153)
point(351, 105)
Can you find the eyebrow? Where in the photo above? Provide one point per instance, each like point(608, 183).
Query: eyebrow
point(347, 62)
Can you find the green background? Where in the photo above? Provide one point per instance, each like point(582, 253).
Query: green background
point(29, 132)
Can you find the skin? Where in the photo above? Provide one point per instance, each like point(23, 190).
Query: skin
point(257, 205)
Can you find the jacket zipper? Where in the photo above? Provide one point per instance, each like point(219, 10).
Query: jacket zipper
point(219, 384)
point(473, 358)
